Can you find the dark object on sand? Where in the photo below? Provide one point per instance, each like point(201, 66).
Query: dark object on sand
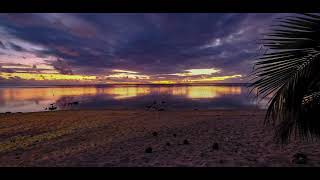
point(168, 144)
point(155, 134)
point(299, 158)
point(8, 112)
point(148, 150)
point(162, 102)
point(75, 103)
point(196, 109)
point(186, 142)
point(174, 135)
point(52, 107)
point(215, 146)
point(161, 109)
point(72, 103)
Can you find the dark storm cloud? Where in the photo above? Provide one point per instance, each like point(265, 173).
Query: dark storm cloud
point(62, 67)
point(148, 43)
point(2, 45)
point(16, 47)
point(6, 70)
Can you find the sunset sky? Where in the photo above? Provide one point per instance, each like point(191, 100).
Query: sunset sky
point(129, 48)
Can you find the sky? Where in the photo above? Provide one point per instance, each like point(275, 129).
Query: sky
point(55, 48)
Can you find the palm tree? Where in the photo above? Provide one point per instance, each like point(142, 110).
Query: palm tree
point(289, 73)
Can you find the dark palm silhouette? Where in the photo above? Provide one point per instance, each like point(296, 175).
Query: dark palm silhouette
point(289, 73)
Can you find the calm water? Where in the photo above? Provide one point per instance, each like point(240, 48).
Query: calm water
point(30, 99)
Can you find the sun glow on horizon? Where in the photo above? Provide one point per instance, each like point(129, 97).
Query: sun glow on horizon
point(127, 76)
point(43, 72)
point(41, 77)
point(216, 78)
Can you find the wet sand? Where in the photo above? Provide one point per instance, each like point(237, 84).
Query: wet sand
point(121, 137)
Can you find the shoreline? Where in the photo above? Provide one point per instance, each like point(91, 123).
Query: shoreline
point(203, 138)
point(179, 109)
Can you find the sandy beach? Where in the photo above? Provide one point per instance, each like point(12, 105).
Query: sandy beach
point(176, 138)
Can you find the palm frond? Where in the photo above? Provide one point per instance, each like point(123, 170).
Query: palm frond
point(290, 73)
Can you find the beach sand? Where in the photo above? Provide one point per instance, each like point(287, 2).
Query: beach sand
point(121, 137)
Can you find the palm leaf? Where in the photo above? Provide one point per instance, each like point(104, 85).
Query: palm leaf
point(290, 73)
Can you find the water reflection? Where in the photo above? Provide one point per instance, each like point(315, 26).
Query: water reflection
point(126, 92)
point(35, 99)
point(211, 91)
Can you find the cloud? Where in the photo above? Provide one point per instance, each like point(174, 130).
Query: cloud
point(196, 72)
point(16, 47)
point(68, 22)
point(216, 42)
point(6, 70)
point(67, 51)
point(126, 74)
point(2, 45)
point(150, 44)
point(124, 71)
point(71, 23)
point(62, 67)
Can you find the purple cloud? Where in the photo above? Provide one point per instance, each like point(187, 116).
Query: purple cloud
point(92, 44)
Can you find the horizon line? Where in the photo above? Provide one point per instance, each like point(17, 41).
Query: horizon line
point(149, 84)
